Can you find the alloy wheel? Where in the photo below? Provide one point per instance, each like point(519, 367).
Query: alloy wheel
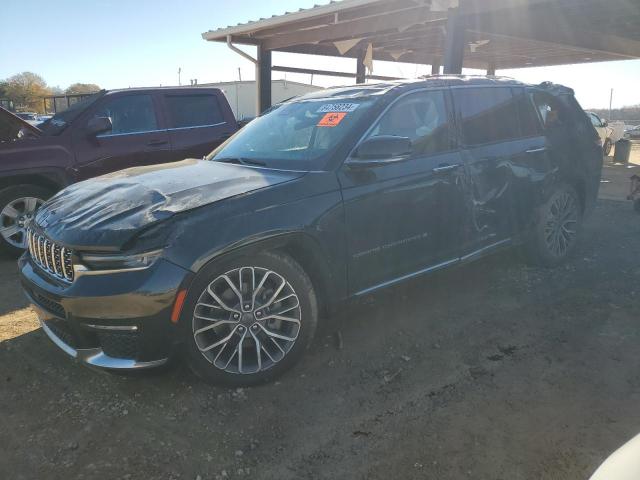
point(14, 217)
point(561, 224)
point(246, 320)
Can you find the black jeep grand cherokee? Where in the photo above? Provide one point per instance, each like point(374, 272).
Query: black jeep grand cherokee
point(327, 196)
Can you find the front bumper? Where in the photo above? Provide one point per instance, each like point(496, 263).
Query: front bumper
point(111, 320)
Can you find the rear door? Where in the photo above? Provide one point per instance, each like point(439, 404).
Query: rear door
point(137, 137)
point(495, 155)
point(197, 122)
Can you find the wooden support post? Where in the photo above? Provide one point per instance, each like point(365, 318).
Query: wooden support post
point(263, 79)
point(361, 70)
point(435, 66)
point(454, 43)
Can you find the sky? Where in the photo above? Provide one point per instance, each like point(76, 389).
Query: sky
point(119, 44)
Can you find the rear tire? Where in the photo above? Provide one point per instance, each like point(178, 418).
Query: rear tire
point(18, 205)
point(558, 224)
point(259, 338)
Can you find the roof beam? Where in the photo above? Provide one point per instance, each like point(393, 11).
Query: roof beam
point(329, 73)
point(552, 25)
point(353, 29)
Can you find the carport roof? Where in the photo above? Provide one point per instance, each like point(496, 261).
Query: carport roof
point(499, 33)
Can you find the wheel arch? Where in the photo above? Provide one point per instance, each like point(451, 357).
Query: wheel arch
point(303, 249)
point(51, 181)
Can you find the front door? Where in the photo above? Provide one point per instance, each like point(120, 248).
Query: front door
point(137, 137)
point(402, 216)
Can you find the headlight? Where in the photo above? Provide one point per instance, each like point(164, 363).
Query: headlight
point(121, 262)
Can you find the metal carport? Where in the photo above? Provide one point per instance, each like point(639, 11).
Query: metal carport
point(479, 34)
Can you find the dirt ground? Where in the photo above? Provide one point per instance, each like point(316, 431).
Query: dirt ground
point(492, 371)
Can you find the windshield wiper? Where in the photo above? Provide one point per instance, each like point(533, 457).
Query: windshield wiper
point(242, 161)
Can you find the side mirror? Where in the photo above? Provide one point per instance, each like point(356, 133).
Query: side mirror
point(605, 123)
point(382, 147)
point(98, 125)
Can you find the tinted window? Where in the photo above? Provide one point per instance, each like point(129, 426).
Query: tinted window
point(529, 123)
point(422, 117)
point(130, 114)
point(550, 113)
point(595, 120)
point(488, 114)
point(59, 121)
point(193, 110)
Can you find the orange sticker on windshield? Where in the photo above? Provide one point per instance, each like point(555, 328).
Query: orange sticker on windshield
point(332, 119)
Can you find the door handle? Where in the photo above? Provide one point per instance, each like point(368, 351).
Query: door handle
point(157, 143)
point(537, 150)
point(445, 168)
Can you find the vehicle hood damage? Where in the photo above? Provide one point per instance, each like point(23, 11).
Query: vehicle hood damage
point(104, 213)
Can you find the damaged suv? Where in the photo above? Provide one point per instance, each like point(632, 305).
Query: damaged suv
point(231, 259)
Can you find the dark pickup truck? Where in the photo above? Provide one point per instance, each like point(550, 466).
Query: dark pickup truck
point(105, 132)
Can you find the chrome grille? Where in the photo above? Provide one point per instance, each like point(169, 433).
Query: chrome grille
point(51, 257)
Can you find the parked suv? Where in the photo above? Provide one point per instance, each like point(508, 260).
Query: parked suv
point(105, 132)
point(332, 195)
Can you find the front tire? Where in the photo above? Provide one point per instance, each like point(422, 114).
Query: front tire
point(18, 205)
point(557, 227)
point(606, 149)
point(249, 319)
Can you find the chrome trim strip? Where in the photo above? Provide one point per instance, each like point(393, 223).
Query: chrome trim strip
point(536, 150)
point(46, 255)
point(197, 126)
point(128, 328)
point(408, 276)
point(470, 256)
point(53, 257)
point(96, 357)
point(446, 168)
point(59, 343)
point(161, 130)
point(484, 250)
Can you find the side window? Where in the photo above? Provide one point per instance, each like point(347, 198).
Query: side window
point(193, 110)
point(595, 120)
point(130, 114)
point(488, 115)
point(422, 117)
point(529, 122)
point(550, 113)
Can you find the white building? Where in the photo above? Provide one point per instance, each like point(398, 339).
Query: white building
point(241, 95)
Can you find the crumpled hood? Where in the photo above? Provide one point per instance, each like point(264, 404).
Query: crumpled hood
point(105, 212)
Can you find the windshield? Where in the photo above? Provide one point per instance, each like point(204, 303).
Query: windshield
point(295, 134)
point(56, 124)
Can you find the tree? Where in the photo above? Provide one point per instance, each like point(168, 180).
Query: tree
point(82, 88)
point(26, 90)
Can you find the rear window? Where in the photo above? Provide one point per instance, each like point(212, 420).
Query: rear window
point(198, 110)
point(549, 110)
point(488, 115)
